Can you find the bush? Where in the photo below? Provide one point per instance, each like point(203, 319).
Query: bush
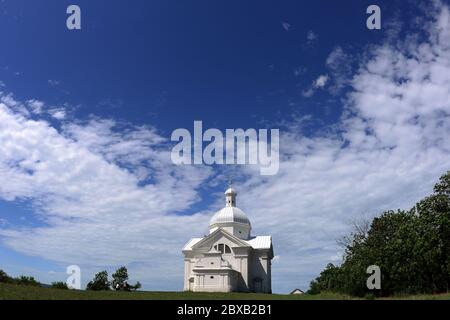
point(369, 296)
point(27, 281)
point(137, 286)
point(120, 278)
point(60, 285)
point(412, 249)
point(4, 278)
point(100, 282)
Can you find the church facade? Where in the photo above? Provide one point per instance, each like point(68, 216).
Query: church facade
point(229, 258)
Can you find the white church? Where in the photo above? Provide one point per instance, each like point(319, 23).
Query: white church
point(229, 258)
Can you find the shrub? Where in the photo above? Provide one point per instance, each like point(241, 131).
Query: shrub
point(412, 249)
point(60, 285)
point(27, 281)
point(100, 282)
point(4, 278)
point(120, 278)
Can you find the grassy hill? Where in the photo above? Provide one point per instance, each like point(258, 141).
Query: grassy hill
point(18, 292)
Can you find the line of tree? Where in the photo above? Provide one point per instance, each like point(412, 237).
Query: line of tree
point(412, 249)
point(119, 281)
point(28, 281)
point(100, 282)
point(21, 280)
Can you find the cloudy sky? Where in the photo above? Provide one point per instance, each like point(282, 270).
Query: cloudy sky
point(86, 176)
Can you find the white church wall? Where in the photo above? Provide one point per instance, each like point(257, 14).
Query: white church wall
point(260, 269)
point(215, 281)
point(233, 265)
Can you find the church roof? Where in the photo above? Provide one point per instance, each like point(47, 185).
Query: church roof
point(260, 242)
point(231, 190)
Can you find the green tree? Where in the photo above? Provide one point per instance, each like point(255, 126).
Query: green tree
point(27, 281)
point(327, 281)
point(60, 285)
point(412, 249)
point(433, 243)
point(4, 278)
point(120, 278)
point(137, 286)
point(100, 282)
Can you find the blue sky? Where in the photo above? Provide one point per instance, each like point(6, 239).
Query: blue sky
point(201, 60)
point(87, 116)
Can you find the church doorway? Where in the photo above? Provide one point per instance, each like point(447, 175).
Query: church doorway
point(191, 284)
point(257, 285)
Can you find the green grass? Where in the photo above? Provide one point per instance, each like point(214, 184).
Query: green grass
point(442, 296)
point(18, 292)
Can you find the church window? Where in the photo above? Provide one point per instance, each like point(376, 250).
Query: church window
point(222, 248)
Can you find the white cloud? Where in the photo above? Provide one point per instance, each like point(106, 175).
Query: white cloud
point(311, 36)
point(389, 148)
point(84, 187)
point(320, 82)
point(311, 39)
point(54, 83)
point(299, 71)
point(10, 102)
point(36, 106)
point(339, 63)
point(308, 93)
point(286, 26)
point(57, 113)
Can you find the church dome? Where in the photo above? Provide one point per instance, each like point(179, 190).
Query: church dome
point(229, 215)
point(231, 218)
point(230, 191)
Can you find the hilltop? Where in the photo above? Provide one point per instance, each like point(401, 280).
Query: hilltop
point(20, 292)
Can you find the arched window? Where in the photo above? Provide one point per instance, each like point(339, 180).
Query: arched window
point(223, 248)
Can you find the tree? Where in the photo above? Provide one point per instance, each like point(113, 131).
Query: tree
point(137, 286)
point(412, 249)
point(433, 244)
point(120, 278)
point(27, 281)
point(4, 278)
point(100, 282)
point(60, 285)
point(327, 281)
